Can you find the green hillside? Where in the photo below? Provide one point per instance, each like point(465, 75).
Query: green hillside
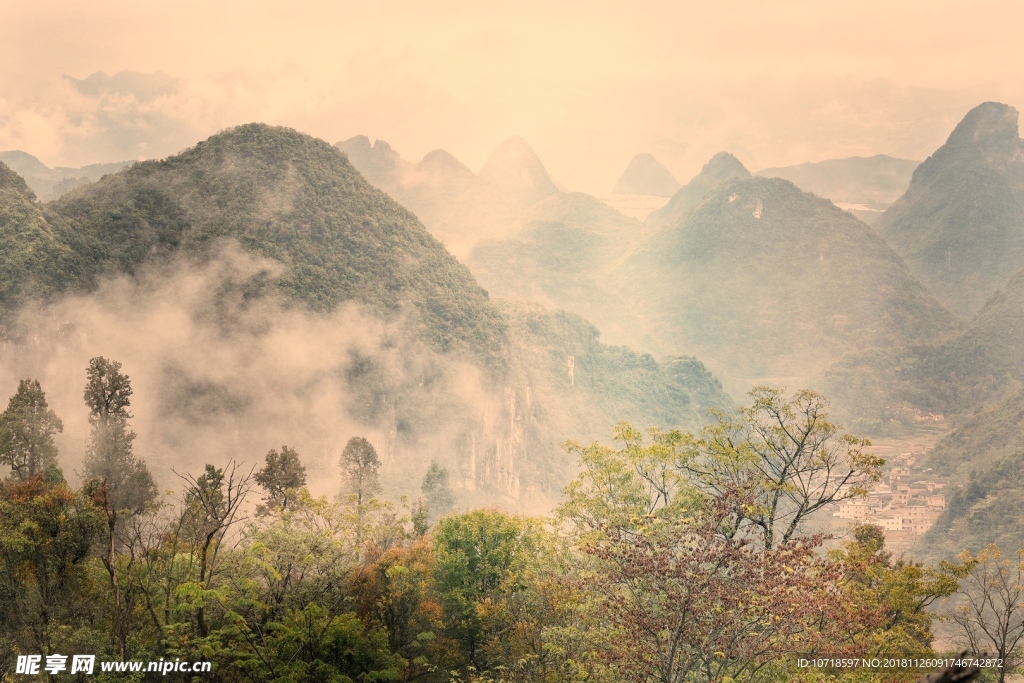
point(960, 225)
point(985, 457)
point(290, 198)
point(769, 281)
point(579, 387)
point(983, 363)
point(864, 186)
point(31, 255)
point(723, 166)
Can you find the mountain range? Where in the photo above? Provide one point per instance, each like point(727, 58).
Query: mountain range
point(458, 206)
point(333, 240)
point(864, 186)
point(50, 183)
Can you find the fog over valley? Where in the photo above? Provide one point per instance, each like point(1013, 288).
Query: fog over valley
point(543, 343)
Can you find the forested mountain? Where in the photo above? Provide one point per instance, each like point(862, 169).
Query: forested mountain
point(864, 186)
point(30, 252)
point(960, 225)
point(645, 175)
point(981, 364)
point(770, 281)
point(441, 371)
point(984, 456)
point(721, 167)
point(287, 197)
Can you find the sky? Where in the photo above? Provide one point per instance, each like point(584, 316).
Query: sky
point(587, 84)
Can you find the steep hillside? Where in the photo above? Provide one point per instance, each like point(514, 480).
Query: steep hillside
point(960, 225)
point(31, 255)
point(571, 386)
point(985, 457)
point(982, 364)
point(646, 176)
point(768, 281)
point(290, 198)
point(865, 186)
point(723, 166)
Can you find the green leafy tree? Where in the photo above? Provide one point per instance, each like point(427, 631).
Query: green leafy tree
point(110, 460)
point(683, 595)
point(46, 594)
point(26, 431)
point(437, 490)
point(360, 470)
point(897, 595)
point(213, 502)
point(281, 477)
point(480, 556)
point(119, 482)
point(789, 452)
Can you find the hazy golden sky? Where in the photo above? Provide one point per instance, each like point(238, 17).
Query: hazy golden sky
point(588, 84)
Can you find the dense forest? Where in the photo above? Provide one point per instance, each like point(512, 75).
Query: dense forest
point(674, 557)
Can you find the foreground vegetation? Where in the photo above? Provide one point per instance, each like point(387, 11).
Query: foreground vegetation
point(674, 557)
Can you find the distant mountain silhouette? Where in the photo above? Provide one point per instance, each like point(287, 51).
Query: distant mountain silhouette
point(515, 167)
point(723, 166)
point(960, 225)
point(645, 175)
point(50, 183)
point(457, 206)
point(865, 186)
point(561, 257)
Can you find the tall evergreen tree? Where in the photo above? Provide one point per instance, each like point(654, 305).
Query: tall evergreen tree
point(120, 483)
point(26, 431)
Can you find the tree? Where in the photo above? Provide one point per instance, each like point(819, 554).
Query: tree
point(46, 594)
point(120, 483)
point(893, 596)
point(26, 431)
point(479, 557)
point(212, 504)
point(686, 597)
point(988, 608)
point(359, 470)
point(790, 453)
point(110, 460)
point(437, 490)
point(282, 476)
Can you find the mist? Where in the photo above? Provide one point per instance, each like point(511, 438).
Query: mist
point(220, 373)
